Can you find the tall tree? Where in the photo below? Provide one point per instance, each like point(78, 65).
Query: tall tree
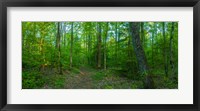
point(152, 42)
point(58, 48)
point(171, 47)
point(105, 46)
point(71, 46)
point(99, 47)
point(140, 55)
point(89, 44)
point(165, 51)
point(116, 43)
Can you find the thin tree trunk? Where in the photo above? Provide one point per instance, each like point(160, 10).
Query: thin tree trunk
point(165, 53)
point(99, 46)
point(64, 35)
point(152, 42)
point(105, 46)
point(89, 45)
point(116, 44)
point(71, 48)
point(59, 50)
point(171, 47)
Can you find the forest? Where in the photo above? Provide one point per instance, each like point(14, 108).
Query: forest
point(99, 55)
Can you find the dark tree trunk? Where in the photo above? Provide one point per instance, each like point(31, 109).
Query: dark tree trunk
point(130, 62)
point(116, 44)
point(64, 35)
point(99, 47)
point(71, 47)
point(142, 33)
point(140, 55)
point(139, 51)
point(171, 47)
point(152, 42)
point(165, 51)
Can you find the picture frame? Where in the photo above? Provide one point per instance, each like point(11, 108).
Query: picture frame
point(103, 3)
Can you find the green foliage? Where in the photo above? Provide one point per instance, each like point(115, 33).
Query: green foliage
point(48, 50)
point(98, 76)
point(56, 81)
point(32, 79)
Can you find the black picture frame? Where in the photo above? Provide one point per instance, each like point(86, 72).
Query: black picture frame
point(99, 3)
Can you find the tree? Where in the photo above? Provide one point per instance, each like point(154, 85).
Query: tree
point(152, 42)
point(99, 46)
point(58, 47)
point(140, 55)
point(171, 47)
point(165, 51)
point(105, 40)
point(71, 46)
point(116, 43)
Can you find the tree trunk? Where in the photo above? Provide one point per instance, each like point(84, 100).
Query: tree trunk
point(71, 47)
point(130, 62)
point(99, 46)
point(89, 45)
point(152, 42)
point(59, 51)
point(171, 48)
point(116, 44)
point(165, 53)
point(140, 55)
point(105, 45)
point(142, 33)
point(64, 35)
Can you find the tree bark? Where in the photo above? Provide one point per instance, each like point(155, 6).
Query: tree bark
point(140, 55)
point(64, 35)
point(116, 44)
point(71, 47)
point(152, 42)
point(165, 53)
point(171, 47)
point(142, 34)
point(59, 51)
point(99, 46)
point(105, 46)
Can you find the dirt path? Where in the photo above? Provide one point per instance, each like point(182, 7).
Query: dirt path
point(82, 80)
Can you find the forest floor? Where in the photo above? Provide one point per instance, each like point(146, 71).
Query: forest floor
point(80, 80)
point(87, 78)
point(90, 78)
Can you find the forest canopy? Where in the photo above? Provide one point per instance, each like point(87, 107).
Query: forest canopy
point(99, 55)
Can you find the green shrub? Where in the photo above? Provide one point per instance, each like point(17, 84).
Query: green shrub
point(32, 79)
point(98, 76)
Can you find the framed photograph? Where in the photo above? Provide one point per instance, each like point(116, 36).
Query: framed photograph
point(99, 55)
